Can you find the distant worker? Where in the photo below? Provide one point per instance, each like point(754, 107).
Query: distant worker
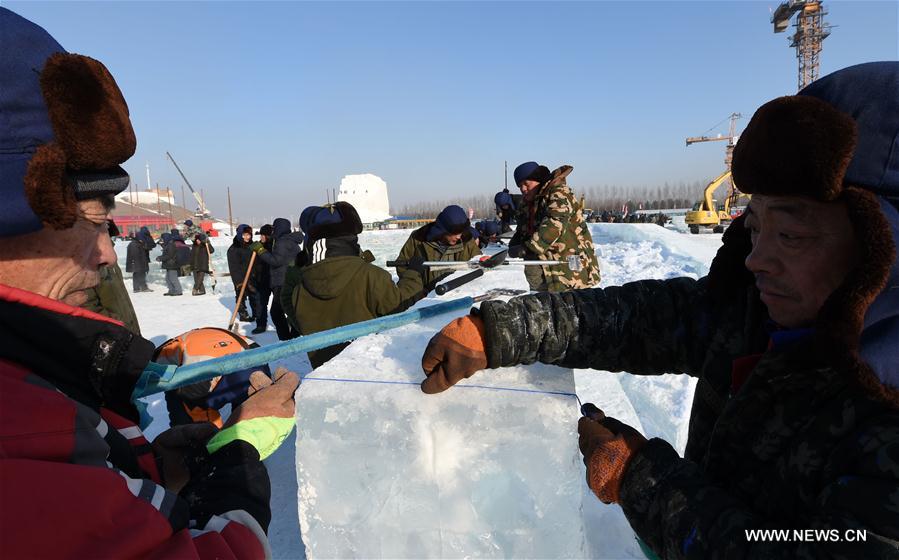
point(263, 281)
point(239, 255)
point(284, 249)
point(110, 296)
point(190, 230)
point(488, 232)
point(505, 209)
point(551, 227)
point(449, 238)
point(200, 253)
point(137, 260)
point(169, 262)
point(339, 286)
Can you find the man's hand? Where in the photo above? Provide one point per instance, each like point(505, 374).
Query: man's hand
point(416, 263)
point(453, 354)
point(516, 251)
point(266, 418)
point(608, 446)
point(171, 447)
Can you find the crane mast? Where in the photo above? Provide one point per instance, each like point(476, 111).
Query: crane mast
point(201, 206)
point(811, 30)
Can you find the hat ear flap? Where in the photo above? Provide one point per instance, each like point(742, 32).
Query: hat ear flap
point(49, 194)
point(88, 112)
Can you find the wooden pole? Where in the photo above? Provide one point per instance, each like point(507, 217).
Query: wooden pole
point(230, 218)
point(183, 199)
point(171, 206)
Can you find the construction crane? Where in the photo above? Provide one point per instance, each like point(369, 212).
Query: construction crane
point(811, 30)
point(707, 213)
point(731, 139)
point(201, 212)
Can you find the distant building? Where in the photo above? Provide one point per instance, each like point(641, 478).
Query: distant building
point(368, 195)
point(154, 209)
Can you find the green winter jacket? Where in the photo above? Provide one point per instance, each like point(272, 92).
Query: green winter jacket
point(338, 291)
point(810, 440)
point(418, 244)
point(110, 298)
point(551, 227)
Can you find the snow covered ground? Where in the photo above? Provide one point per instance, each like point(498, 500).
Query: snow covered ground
point(658, 406)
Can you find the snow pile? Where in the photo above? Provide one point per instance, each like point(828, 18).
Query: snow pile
point(368, 194)
point(386, 471)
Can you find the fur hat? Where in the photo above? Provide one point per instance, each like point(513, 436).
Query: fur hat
point(67, 130)
point(334, 220)
point(841, 130)
point(266, 230)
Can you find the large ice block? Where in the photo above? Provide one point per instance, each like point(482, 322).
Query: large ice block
point(385, 471)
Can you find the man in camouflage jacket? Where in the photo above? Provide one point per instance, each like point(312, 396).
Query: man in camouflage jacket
point(795, 418)
point(551, 226)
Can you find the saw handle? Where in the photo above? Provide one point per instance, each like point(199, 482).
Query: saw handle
point(456, 282)
point(393, 264)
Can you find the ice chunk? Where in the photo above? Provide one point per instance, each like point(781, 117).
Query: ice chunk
point(487, 470)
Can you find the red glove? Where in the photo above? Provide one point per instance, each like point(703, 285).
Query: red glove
point(453, 354)
point(608, 446)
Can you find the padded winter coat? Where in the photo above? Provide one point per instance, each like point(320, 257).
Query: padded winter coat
point(285, 247)
point(552, 227)
point(339, 291)
point(808, 440)
point(78, 479)
point(418, 244)
point(137, 257)
point(199, 256)
point(239, 256)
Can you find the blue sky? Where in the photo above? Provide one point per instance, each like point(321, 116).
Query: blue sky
point(279, 100)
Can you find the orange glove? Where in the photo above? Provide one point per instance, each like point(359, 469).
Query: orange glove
point(453, 354)
point(608, 446)
point(267, 397)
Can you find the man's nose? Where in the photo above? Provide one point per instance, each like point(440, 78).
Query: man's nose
point(105, 252)
point(763, 257)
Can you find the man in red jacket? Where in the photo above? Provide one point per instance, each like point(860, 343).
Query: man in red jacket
point(77, 476)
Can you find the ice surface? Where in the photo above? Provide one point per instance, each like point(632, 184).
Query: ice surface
point(402, 419)
point(385, 471)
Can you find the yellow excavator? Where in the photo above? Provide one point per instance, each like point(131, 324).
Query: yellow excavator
point(709, 214)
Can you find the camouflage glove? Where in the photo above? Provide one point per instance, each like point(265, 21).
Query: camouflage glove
point(608, 446)
point(171, 448)
point(257, 247)
point(454, 354)
point(266, 418)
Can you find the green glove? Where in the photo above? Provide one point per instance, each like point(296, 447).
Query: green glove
point(257, 247)
point(265, 434)
point(266, 418)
